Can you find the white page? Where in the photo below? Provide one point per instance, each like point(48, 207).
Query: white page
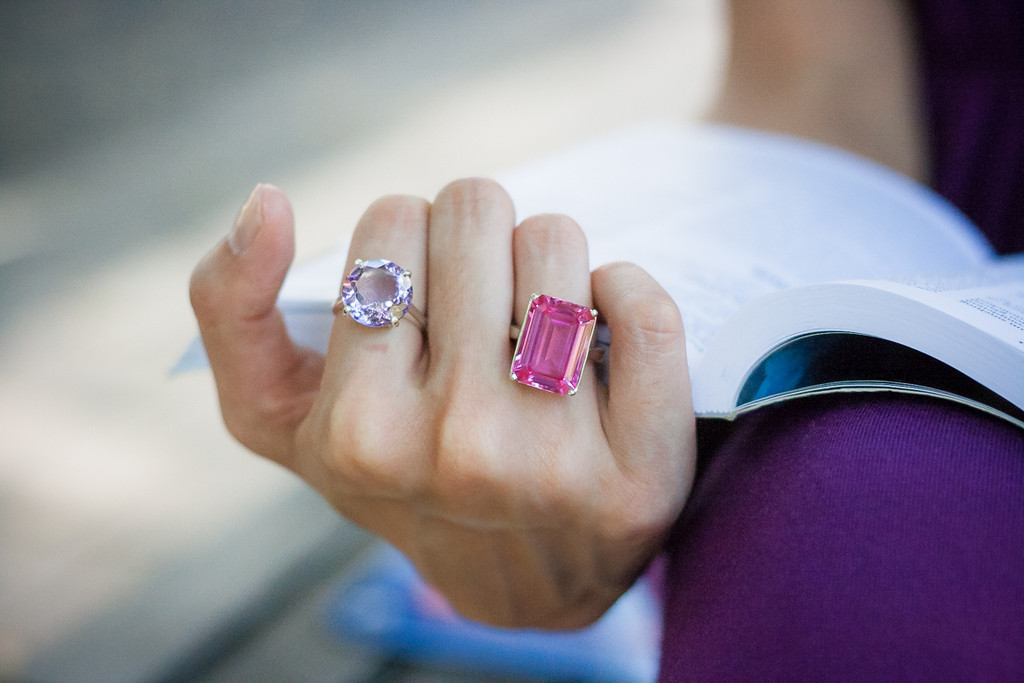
point(971, 320)
point(991, 299)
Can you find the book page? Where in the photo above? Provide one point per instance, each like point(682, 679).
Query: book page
point(990, 299)
point(971, 320)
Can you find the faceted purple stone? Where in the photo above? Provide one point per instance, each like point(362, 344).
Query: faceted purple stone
point(377, 293)
point(553, 345)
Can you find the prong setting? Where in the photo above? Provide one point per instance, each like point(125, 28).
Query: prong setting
point(376, 293)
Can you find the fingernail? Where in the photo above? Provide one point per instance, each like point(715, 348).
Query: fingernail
point(248, 223)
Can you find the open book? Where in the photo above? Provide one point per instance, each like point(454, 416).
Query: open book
point(797, 268)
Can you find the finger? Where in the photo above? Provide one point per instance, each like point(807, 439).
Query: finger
point(650, 410)
point(470, 288)
point(266, 384)
point(550, 256)
point(392, 228)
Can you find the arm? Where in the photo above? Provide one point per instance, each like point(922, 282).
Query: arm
point(843, 73)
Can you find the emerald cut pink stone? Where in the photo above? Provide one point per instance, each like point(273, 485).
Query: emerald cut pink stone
point(553, 345)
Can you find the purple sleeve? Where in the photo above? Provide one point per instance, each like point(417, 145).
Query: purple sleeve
point(855, 538)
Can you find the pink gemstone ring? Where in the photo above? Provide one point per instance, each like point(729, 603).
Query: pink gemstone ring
point(553, 344)
point(378, 293)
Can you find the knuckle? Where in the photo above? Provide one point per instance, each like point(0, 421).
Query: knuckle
point(654, 318)
point(631, 525)
point(203, 291)
point(239, 427)
point(466, 454)
point(637, 515)
point(395, 210)
point(475, 196)
point(547, 233)
point(562, 485)
point(464, 471)
point(264, 415)
point(657, 322)
point(364, 456)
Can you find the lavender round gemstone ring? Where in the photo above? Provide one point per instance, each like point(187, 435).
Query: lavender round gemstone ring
point(378, 293)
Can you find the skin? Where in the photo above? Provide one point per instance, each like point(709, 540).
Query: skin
point(523, 508)
point(839, 72)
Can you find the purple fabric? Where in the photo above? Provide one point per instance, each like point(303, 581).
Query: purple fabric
point(972, 67)
point(877, 536)
point(852, 537)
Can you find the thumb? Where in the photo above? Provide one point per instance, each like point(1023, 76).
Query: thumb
point(266, 384)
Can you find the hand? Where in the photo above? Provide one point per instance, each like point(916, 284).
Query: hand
point(523, 508)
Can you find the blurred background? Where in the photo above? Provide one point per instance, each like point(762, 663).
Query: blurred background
point(137, 541)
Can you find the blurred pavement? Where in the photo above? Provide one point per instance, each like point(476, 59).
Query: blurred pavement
point(130, 133)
